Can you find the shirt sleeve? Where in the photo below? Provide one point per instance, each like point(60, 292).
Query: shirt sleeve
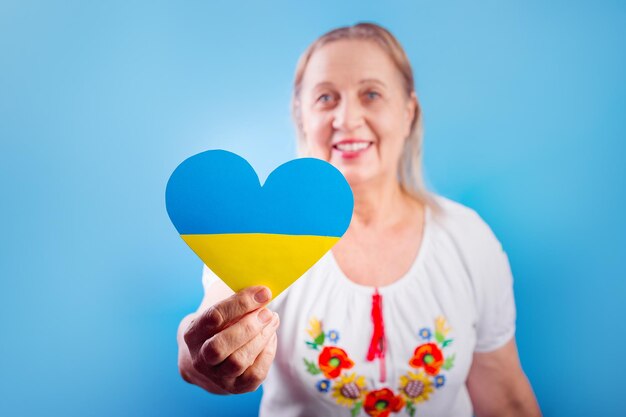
point(493, 286)
point(208, 278)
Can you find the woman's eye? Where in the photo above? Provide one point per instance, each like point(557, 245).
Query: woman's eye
point(324, 98)
point(372, 95)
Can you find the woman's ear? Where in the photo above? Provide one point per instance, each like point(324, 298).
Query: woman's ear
point(413, 111)
point(413, 107)
point(302, 147)
point(297, 114)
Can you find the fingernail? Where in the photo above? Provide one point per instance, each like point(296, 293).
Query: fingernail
point(265, 315)
point(262, 295)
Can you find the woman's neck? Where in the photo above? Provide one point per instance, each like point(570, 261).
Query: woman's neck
point(379, 206)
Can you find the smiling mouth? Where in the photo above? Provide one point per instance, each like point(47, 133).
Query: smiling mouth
point(351, 149)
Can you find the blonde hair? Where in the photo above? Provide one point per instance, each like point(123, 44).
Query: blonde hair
point(410, 175)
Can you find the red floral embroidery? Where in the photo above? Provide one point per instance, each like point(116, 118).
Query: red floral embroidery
point(332, 360)
point(350, 389)
point(429, 357)
point(382, 402)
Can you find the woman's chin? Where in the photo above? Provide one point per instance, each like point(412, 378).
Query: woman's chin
point(357, 179)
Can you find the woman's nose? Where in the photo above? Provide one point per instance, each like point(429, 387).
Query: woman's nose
point(348, 116)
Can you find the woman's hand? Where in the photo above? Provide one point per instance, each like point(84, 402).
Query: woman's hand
point(232, 344)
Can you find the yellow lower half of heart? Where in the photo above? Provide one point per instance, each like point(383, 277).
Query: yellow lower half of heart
point(246, 259)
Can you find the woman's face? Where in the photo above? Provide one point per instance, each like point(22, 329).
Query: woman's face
point(354, 110)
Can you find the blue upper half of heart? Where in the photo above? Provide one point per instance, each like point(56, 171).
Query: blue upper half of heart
point(219, 192)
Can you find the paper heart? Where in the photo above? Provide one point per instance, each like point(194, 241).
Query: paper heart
point(250, 234)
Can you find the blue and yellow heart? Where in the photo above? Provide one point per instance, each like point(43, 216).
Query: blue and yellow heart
point(249, 234)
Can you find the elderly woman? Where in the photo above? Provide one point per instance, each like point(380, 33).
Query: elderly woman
point(412, 312)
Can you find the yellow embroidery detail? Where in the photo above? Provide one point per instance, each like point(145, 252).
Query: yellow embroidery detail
point(441, 326)
point(349, 389)
point(315, 328)
point(415, 388)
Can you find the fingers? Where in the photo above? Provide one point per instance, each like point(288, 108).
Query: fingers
point(233, 343)
point(225, 343)
point(242, 358)
point(256, 374)
point(220, 315)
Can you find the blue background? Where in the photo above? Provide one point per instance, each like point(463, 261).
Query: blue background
point(524, 107)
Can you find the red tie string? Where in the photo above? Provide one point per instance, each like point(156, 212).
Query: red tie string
point(377, 345)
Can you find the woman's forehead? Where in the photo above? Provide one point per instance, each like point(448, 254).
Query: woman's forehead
point(349, 61)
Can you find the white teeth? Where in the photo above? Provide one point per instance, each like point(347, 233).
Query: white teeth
point(352, 147)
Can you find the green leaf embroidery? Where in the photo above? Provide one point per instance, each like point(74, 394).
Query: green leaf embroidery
point(410, 408)
point(439, 337)
point(356, 409)
point(319, 340)
point(312, 368)
point(312, 345)
point(449, 363)
point(447, 342)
